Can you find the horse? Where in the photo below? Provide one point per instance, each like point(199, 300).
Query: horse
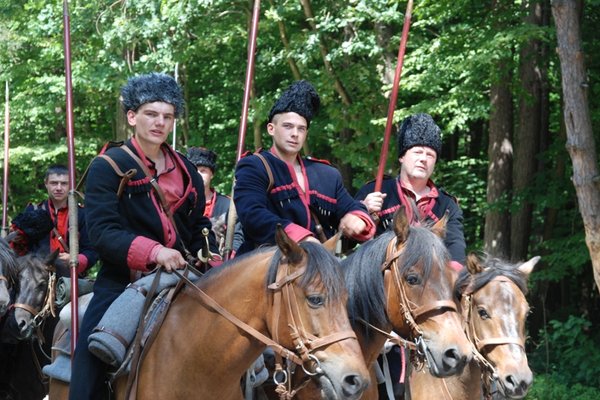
point(291, 297)
point(27, 330)
point(492, 297)
point(401, 281)
point(8, 276)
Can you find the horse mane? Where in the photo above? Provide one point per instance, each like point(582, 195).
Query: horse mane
point(320, 264)
point(492, 267)
point(364, 278)
point(8, 262)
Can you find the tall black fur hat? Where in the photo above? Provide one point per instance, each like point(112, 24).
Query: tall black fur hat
point(35, 223)
point(301, 98)
point(149, 88)
point(201, 157)
point(419, 130)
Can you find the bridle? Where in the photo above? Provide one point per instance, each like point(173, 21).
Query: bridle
point(305, 344)
point(489, 373)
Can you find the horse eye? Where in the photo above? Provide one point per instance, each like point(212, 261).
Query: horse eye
point(315, 300)
point(413, 279)
point(483, 313)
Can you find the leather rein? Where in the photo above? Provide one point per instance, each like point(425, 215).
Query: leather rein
point(488, 371)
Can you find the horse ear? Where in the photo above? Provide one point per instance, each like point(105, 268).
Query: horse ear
point(331, 243)
point(51, 258)
point(401, 225)
point(288, 247)
point(473, 264)
point(439, 228)
point(527, 267)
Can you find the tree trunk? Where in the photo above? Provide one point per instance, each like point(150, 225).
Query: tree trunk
point(527, 141)
point(580, 139)
point(500, 152)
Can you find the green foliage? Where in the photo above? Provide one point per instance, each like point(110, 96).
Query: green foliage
point(546, 387)
point(569, 352)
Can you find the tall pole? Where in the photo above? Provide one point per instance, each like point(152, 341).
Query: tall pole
point(6, 164)
point(393, 97)
point(72, 201)
point(232, 215)
point(174, 145)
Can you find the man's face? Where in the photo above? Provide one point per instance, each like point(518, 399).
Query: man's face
point(57, 187)
point(152, 122)
point(418, 162)
point(289, 132)
point(206, 174)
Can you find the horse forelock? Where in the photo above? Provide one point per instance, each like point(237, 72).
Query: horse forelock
point(493, 267)
point(423, 250)
point(321, 265)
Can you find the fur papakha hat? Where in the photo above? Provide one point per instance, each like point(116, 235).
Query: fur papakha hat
point(149, 88)
point(301, 98)
point(201, 157)
point(419, 130)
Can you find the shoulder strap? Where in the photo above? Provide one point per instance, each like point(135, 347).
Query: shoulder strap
point(269, 171)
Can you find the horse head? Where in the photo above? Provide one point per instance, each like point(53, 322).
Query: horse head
point(309, 315)
point(495, 307)
point(402, 281)
point(8, 275)
point(34, 299)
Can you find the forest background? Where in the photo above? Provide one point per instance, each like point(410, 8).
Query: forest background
point(487, 71)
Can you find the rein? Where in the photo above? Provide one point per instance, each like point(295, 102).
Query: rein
point(488, 371)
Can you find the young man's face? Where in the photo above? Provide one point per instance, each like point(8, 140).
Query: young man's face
point(289, 132)
point(418, 162)
point(152, 122)
point(57, 187)
point(206, 174)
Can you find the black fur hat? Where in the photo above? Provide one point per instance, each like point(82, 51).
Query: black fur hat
point(35, 223)
point(301, 98)
point(199, 156)
point(419, 130)
point(149, 88)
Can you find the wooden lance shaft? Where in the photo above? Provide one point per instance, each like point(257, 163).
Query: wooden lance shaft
point(72, 202)
point(232, 215)
point(393, 98)
point(6, 165)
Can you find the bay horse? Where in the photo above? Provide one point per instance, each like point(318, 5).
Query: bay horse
point(401, 281)
point(292, 295)
point(492, 297)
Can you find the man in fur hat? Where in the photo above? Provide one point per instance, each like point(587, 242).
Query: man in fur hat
point(419, 146)
point(305, 195)
point(153, 218)
point(217, 204)
point(43, 228)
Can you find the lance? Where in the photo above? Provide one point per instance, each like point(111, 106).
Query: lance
point(393, 97)
point(72, 201)
point(232, 215)
point(175, 124)
point(6, 166)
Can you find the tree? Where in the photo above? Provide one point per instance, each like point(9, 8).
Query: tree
point(580, 139)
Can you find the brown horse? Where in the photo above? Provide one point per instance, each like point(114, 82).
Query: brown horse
point(492, 296)
point(293, 294)
point(401, 281)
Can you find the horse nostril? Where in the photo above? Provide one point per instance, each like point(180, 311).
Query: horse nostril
point(353, 385)
point(453, 359)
